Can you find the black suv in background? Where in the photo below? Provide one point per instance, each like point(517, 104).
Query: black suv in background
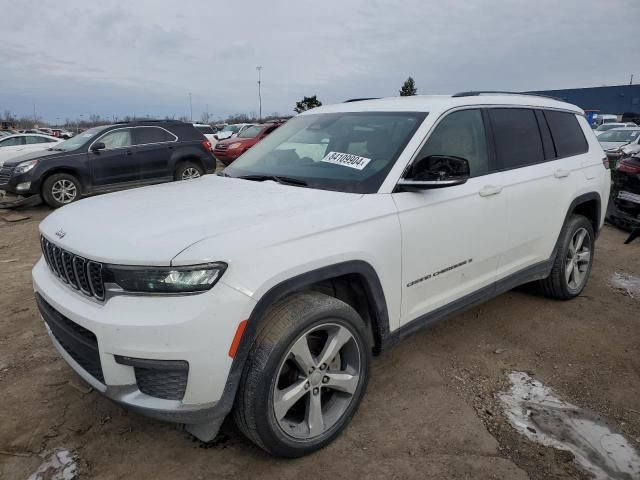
point(109, 158)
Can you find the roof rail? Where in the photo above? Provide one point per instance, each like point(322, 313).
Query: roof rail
point(477, 93)
point(360, 99)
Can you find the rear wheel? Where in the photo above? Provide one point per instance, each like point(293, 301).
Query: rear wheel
point(188, 171)
point(574, 258)
point(305, 375)
point(60, 189)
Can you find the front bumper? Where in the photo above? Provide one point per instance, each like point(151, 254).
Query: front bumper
point(197, 329)
point(227, 156)
point(10, 182)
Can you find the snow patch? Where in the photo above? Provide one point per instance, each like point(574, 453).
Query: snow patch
point(535, 412)
point(58, 464)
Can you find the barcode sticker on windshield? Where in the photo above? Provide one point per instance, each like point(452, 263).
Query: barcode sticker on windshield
point(346, 160)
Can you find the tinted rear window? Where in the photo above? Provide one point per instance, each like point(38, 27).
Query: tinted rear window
point(566, 132)
point(206, 130)
point(517, 137)
point(145, 135)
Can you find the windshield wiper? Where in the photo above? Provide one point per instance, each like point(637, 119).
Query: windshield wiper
point(275, 178)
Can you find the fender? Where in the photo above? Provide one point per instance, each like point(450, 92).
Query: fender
point(374, 292)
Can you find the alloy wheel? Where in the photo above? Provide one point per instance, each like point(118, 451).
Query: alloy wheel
point(64, 191)
point(190, 173)
point(317, 381)
point(578, 259)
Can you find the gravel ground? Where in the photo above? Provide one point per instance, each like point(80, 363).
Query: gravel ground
point(430, 410)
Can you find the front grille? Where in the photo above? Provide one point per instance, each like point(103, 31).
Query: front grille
point(221, 147)
point(5, 174)
point(81, 274)
point(165, 379)
point(81, 344)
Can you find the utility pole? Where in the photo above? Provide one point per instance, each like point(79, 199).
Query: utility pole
point(35, 119)
point(190, 108)
point(259, 69)
point(207, 109)
point(631, 80)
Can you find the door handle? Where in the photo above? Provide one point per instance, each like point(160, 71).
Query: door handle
point(561, 173)
point(128, 152)
point(489, 190)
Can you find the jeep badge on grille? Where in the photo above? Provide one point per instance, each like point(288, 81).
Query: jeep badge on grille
point(60, 233)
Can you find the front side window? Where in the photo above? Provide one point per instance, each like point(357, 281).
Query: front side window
point(349, 152)
point(460, 134)
point(516, 137)
point(205, 130)
point(117, 139)
point(12, 142)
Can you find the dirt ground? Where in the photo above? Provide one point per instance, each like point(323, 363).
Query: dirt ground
point(430, 410)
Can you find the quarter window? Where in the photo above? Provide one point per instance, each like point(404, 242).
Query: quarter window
point(117, 139)
point(566, 132)
point(516, 137)
point(460, 134)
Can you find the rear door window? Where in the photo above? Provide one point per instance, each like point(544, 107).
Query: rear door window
point(149, 135)
point(566, 132)
point(516, 136)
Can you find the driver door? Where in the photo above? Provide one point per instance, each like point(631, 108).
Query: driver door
point(452, 237)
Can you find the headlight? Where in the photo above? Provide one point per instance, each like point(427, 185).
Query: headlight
point(196, 278)
point(235, 145)
point(24, 167)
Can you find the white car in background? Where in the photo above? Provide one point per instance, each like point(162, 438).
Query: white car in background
point(14, 145)
point(620, 142)
point(605, 127)
point(207, 131)
point(230, 131)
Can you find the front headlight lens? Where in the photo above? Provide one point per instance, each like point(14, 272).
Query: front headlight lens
point(196, 278)
point(233, 146)
point(24, 167)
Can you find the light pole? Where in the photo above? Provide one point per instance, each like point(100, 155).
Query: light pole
point(259, 69)
point(190, 108)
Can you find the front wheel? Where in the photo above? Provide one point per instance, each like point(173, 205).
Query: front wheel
point(305, 375)
point(60, 189)
point(573, 262)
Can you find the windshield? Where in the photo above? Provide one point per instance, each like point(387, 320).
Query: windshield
point(79, 140)
point(251, 132)
point(347, 152)
point(608, 126)
point(231, 128)
point(619, 136)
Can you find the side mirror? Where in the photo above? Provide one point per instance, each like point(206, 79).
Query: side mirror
point(98, 146)
point(436, 171)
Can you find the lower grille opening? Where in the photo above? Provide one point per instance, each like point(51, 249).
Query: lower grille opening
point(81, 344)
point(166, 379)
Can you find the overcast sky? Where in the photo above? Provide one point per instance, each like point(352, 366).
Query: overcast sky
point(113, 57)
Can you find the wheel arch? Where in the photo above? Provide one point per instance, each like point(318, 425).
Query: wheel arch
point(68, 170)
point(590, 206)
point(371, 297)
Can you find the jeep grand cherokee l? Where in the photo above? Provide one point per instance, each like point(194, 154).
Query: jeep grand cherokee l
point(110, 158)
point(346, 229)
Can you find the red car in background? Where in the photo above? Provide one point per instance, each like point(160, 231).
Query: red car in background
point(228, 150)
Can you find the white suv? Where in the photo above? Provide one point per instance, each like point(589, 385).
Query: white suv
point(346, 229)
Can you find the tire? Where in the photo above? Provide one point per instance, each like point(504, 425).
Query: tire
point(61, 189)
point(188, 171)
point(570, 271)
point(263, 413)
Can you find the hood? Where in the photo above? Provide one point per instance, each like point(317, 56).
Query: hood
point(612, 145)
point(151, 225)
point(40, 154)
point(243, 141)
point(224, 135)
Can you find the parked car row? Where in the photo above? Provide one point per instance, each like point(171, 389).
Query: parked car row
point(109, 158)
point(18, 144)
